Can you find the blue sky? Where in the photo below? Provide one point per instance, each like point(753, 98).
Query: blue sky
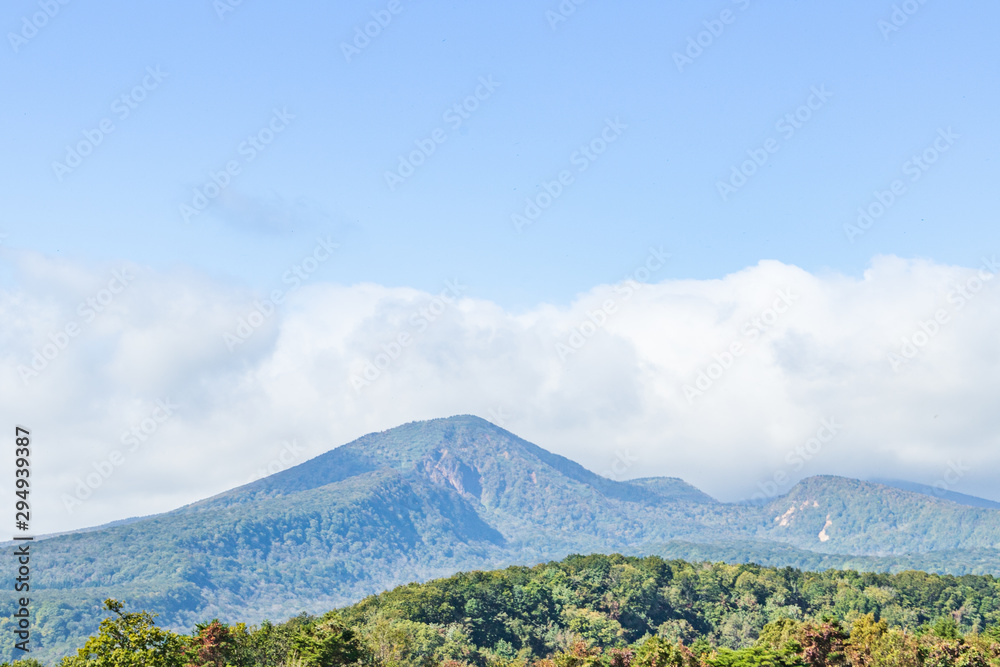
point(557, 86)
point(738, 137)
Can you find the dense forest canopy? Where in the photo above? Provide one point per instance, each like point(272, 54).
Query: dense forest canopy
point(613, 611)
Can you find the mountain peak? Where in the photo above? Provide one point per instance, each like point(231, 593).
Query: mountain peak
point(427, 498)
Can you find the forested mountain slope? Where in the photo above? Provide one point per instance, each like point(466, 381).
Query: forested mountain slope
point(431, 498)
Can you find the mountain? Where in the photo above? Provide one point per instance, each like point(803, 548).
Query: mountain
point(835, 514)
point(428, 499)
point(927, 490)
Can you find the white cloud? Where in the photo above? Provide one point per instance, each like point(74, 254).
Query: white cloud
point(600, 380)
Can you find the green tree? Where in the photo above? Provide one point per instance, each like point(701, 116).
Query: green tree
point(778, 634)
point(865, 640)
point(266, 646)
point(946, 628)
point(593, 626)
point(26, 662)
point(875, 644)
point(755, 656)
point(129, 639)
point(327, 643)
point(658, 652)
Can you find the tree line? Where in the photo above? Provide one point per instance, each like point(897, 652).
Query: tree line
point(600, 611)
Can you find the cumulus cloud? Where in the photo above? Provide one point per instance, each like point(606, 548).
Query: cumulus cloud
point(740, 385)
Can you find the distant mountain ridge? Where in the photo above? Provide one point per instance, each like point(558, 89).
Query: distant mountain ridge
point(427, 499)
point(936, 492)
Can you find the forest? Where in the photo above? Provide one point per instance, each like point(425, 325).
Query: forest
point(429, 499)
point(599, 611)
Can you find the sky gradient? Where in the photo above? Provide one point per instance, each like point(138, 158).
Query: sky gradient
point(685, 131)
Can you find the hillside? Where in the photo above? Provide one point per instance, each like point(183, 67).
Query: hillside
point(613, 601)
point(839, 515)
point(937, 492)
point(617, 611)
point(428, 499)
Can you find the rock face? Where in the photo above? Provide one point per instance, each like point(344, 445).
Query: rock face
point(450, 470)
point(431, 498)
